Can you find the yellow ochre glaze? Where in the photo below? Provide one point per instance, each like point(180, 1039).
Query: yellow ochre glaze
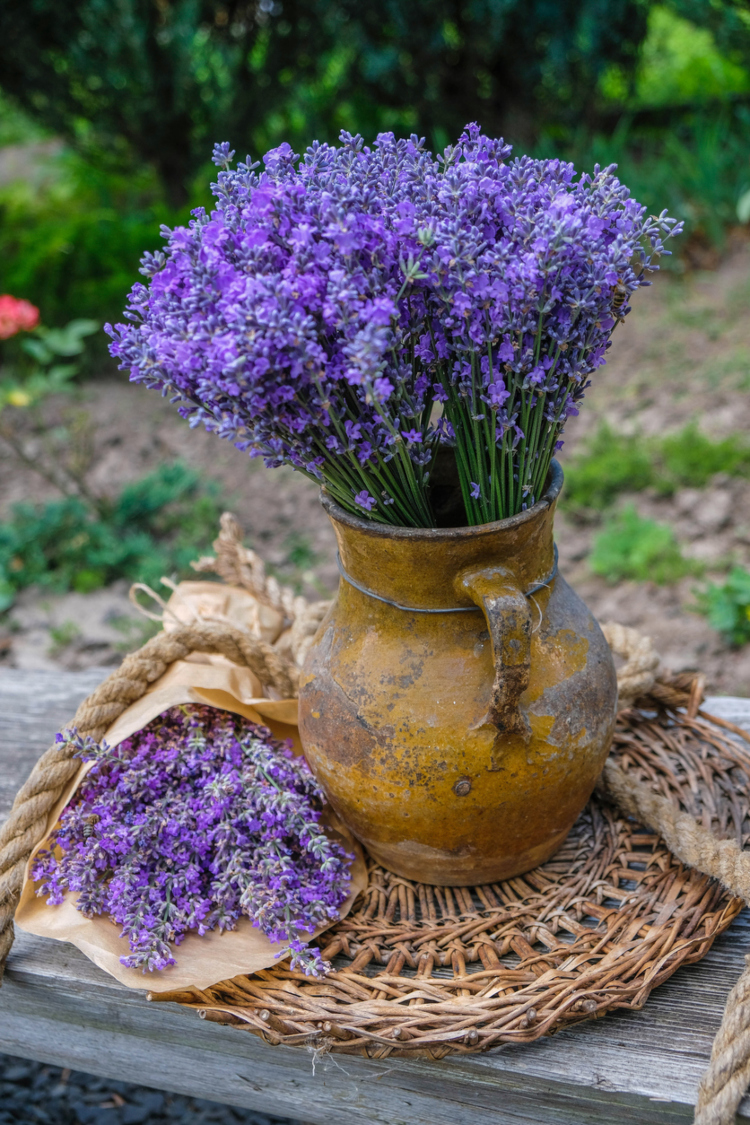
point(458, 747)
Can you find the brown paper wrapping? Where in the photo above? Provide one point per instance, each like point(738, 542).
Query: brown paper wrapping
point(201, 961)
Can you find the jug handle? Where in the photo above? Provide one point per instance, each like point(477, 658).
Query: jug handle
point(508, 618)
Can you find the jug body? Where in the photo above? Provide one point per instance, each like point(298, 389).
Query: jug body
point(458, 702)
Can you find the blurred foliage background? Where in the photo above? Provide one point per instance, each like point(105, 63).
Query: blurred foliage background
point(108, 113)
point(109, 109)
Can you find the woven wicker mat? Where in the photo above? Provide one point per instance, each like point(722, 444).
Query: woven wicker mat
point(422, 970)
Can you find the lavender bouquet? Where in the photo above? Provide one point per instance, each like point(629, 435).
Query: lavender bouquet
point(373, 315)
point(197, 819)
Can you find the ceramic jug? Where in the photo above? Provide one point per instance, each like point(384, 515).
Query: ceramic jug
point(459, 699)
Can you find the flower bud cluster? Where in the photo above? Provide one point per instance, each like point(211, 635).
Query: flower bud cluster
point(195, 820)
point(16, 315)
point(351, 312)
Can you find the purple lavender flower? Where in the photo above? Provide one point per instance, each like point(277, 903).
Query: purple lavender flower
point(197, 819)
point(351, 312)
point(364, 500)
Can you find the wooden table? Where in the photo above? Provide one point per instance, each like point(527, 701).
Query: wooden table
point(629, 1067)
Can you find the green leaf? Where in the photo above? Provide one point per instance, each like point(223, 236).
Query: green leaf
point(7, 594)
point(37, 349)
point(68, 340)
point(688, 459)
point(82, 326)
point(743, 207)
point(89, 579)
point(610, 464)
point(59, 375)
point(157, 526)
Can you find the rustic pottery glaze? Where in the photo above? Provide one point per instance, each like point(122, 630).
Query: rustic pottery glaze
point(459, 747)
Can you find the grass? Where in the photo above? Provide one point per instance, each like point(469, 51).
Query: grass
point(299, 552)
point(61, 636)
point(734, 366)
point(297, 568)
point(642, 550)
point(727, 606)
point(157, 525)
point(135, 632)
point(688, 459)
point(71, 243)
point(614, 463)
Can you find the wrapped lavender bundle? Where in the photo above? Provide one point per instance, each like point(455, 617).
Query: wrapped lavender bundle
point(361, 311)
point(197, 819)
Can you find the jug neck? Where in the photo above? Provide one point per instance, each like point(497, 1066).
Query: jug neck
point(418, 567)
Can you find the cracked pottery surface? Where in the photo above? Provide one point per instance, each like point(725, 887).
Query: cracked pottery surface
point(459, 747)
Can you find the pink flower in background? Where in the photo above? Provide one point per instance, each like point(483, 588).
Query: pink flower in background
point(16, 315)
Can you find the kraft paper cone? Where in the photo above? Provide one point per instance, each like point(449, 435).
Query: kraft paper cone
point(213, 680)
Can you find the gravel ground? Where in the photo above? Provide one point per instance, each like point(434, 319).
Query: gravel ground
point(32, 1093)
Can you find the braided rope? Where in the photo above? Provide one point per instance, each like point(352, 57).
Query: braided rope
point(27, 822)
point(728, 1075)
point(237, 565)
point(638, 674)
point(688, 840)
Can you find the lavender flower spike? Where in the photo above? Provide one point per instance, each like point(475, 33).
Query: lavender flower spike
point(356, 311)
point(195, 820)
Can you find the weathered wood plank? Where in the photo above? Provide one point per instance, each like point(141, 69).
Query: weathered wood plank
point(33, 707)
point(632, 1067)
point(62, 1010)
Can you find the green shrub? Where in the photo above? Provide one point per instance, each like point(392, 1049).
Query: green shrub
point(611, 463)
point(72, 243)
point(727, 606)
point(35, 371)
point(688, 459)
point(680, 63)
point(143, 89)
point(630, 547)
point(166, 80)
point(155, 526)
point(16, 127)
point(695, 166)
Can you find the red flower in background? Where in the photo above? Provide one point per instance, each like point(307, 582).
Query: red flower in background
point(16, 315)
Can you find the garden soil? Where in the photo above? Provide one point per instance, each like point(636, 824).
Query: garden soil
point(682, 354)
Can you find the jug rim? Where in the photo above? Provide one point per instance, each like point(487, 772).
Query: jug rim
point(390, 531)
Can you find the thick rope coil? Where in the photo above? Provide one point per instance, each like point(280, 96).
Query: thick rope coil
point(638, 674)
point(27, 821)
point(304, 628)
point(239, 566)
point(688, 840)
point(724, 1084)
point(728, 1075)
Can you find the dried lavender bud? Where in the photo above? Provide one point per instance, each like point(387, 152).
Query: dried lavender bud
point(325, 307)
point(196, 819)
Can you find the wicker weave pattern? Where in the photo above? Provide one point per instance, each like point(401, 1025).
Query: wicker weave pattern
point(432, 971)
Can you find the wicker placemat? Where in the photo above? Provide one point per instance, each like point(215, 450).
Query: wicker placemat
point(422, 970)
